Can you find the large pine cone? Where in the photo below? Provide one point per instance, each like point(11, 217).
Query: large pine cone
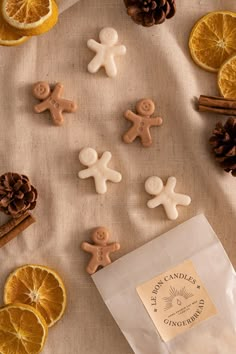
point(17, 195)
point(223, 142)
point(150, 12)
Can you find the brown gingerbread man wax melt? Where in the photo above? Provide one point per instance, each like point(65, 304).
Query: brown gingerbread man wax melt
point(142, 122)
point(100, 250)
point(52, 101)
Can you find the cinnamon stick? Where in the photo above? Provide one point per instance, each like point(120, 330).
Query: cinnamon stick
point(14, 227)
point(218, 105)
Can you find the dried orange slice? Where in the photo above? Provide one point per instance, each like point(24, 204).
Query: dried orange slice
point(8, 36)
point(30, 17)
point(39, 287)
point(227, 78)
point(22, 330)
point(213, 39)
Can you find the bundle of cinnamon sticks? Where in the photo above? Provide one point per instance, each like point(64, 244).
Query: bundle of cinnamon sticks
point(14, 227)
point(219, 105)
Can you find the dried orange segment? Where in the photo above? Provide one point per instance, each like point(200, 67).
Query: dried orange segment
point(213, 39)
point(30, 17)
point(227, 78)
point(8, 37)
point(40, 287)
point(22, 330)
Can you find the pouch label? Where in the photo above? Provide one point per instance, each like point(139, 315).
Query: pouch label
point(176, 300)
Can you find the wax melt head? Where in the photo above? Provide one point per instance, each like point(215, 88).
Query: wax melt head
point(145, 107)
point(154, 185)
point(100, 236)
point(41, 90)
point(88, 156)
point(108, 36)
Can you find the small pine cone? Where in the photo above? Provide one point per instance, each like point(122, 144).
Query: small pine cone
point(17, 195)
point(223, 142)
point(150, 12)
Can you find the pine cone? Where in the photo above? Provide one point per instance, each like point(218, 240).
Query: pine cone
point(223, 142)
point(17, 195)
point(150, 12)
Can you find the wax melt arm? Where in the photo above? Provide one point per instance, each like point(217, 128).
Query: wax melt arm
point(58, 90)
point(130, 115)
point(106, 157)
point(85, 174)
point(92, 44)
point(120, 50)
point(85, 246)
point(157, 121)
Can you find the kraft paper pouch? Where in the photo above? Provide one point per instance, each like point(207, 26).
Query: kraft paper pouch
point(176, 294)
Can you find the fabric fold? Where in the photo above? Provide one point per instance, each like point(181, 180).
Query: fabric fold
point(66, 4)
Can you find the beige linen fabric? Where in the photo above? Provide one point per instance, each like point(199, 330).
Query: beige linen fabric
point(157, 65)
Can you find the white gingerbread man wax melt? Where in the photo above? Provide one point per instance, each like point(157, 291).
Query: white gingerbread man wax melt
point(97, 168)
point(105, 52)
point(165, 195)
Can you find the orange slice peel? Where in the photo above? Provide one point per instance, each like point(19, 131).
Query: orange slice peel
point(227, 78)
point(39, 287)
point(22, 330)
point(8, 37)
point(213, 40)
point(30, 17)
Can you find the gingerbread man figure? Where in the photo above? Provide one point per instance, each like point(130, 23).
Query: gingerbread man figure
point(97, 168)
point(105, 52)
point(100, 251)
point(52, 101)
point(142, 122)
point(165, 195)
